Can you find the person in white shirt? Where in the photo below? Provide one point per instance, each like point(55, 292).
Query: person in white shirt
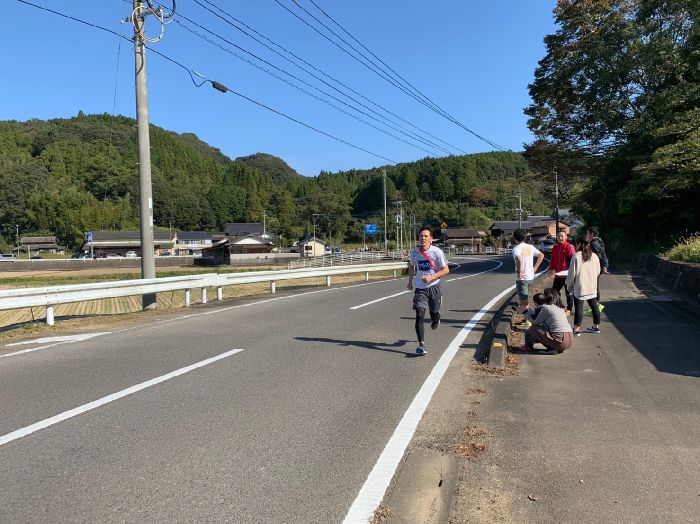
point(525, 269)
point(426, 266)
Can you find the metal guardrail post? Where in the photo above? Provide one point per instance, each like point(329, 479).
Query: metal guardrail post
point(366, 276)
point(273, 287)
point(328, 280)
point(187, 298)
point(49, 316)
point(219, 293)
point(204, 295)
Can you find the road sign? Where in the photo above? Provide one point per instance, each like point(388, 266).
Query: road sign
point(88, 237)
point(371, 229)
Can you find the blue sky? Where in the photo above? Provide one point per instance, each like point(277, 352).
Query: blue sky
point(473, 58)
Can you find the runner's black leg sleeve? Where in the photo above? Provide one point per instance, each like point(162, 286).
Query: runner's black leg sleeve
point(420, 329)
point(434, 316)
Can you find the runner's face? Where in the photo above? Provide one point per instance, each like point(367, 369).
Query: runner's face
point(425, 238)
point(562, 238)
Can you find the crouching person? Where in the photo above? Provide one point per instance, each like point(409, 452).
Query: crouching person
point(549, 324)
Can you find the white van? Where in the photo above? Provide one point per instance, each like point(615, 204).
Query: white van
point(7, 257)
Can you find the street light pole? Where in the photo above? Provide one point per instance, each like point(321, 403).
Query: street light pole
point(386, 241)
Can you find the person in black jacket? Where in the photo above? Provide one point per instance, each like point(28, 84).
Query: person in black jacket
point(598, 247)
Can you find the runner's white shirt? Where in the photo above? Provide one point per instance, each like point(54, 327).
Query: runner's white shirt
point(526, 252)
point(423, 267)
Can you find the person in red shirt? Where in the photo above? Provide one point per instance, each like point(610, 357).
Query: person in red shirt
point(559, 260)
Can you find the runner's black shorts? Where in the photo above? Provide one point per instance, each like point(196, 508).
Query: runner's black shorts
point(429, 298)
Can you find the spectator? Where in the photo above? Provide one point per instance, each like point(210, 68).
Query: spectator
point(598, 247)
point(582, 280)
point(524, 268)
point(559, 261)
point(549, 325)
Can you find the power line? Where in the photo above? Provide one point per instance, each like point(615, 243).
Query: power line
point(215, 84)
point(238, 21)
point(305, 83)
point(418, 97)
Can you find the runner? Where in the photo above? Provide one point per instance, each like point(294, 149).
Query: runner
point(428, 265)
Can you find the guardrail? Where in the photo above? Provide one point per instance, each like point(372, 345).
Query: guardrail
point(345, 259)
point(53, 296)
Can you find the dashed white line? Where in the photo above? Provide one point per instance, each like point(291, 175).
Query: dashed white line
point(42, 424)
point(380, 299)
point(372, 492)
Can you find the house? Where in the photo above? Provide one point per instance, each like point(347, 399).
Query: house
point(543, 225)
point(242, 229)
point(37, 244)
point(192, 242)
point(247, 237)
point(249, 244)
point(311, 247)
point(463, 237)
point(117, 243)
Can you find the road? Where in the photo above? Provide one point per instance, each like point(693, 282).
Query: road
point(268, 410)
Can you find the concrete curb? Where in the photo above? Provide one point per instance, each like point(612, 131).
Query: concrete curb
point(496, 336)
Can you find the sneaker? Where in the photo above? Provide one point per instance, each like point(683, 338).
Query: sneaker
point(435, 324)
point(420, 350)
point(577, 333)
point(593, 330)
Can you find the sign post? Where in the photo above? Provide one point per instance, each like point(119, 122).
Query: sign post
point(88, 239)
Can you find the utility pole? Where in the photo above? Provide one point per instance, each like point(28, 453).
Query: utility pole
point(314, 217)
point(148, 263)
point(264, 223)
point(399, 224)
point(386, 241)
point(520, 208)
point(17, 237)
point(556, 202)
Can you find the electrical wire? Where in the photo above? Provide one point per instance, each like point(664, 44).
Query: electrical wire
point(232, 20)
point(215, 84)
point(307, 84)
point(372, 67)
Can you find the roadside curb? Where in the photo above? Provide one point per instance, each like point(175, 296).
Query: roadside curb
point(496, 336)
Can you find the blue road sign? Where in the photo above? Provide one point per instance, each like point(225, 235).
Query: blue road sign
point(88, 237)
point(371, 229)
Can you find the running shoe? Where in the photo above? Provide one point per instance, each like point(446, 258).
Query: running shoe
point(420, 350)
point(593, 330)
point(435, 324)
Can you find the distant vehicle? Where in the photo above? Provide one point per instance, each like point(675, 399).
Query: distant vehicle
point(81, 255)
point(131, 254)
point(545, 245)
point(166, 252)
point(36, 257)
point(7, 257)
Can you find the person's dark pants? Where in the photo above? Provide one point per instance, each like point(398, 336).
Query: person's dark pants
point(578, 311)
point(597, 286)
point(429, 298)
point(561, 283)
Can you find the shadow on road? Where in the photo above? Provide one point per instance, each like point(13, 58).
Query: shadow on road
point(379, 346)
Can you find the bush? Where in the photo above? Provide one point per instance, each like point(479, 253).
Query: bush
point(686, 250)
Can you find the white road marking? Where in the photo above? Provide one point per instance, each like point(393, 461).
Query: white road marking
point(42, 424)
point(64, 338)
point(372, 492)
point(409, 291)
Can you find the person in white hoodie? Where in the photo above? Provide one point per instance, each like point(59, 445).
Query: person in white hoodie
point(583, 281)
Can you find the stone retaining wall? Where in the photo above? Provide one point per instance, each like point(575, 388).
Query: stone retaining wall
point(681, 277)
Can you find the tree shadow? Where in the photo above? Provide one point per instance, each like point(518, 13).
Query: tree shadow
point(365, 344)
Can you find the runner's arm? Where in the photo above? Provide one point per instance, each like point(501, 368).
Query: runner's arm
point(411, 274)
point(443, 272)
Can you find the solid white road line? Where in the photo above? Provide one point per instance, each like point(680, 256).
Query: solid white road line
point(499, 264)
point(42, 424)
point(372, 492)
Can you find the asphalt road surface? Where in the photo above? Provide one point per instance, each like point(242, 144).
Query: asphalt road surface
point(275, 409)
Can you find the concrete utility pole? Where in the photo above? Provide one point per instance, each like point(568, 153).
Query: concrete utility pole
point(556, 202)
point(386, 240)
point(148, 263)
point(520, 208)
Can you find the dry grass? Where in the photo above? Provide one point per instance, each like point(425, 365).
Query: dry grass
point(491, 370)
point(471, 444)
point(381, 514)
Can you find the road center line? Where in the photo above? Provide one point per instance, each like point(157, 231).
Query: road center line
point(42, 424)
point(372, 492)
point(408, 291)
